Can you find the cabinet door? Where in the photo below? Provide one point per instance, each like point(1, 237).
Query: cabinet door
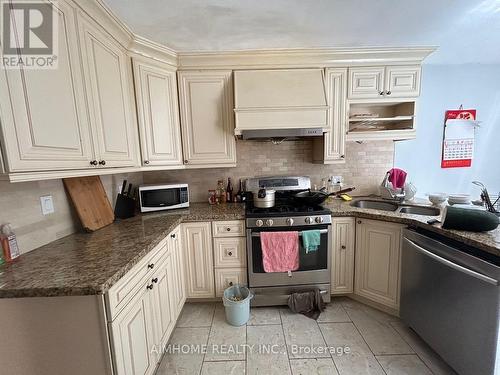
point(133, 336)
point(164, 289)
point(226, 277)
point(207, 118)
point(230, 252)
point(197, 241)
point(336, 89)
point(109, 92)
point(402, 81)
point(158, 112)
point(343, 255)
point(378, 247)
point(44, 120)
point(175, 246)
point(366, 82)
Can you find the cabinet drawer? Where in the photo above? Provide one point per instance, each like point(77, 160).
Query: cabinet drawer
point(228, 228)
point(123, 291)
point(230, 252)
point(226, 277)
point(403, 81)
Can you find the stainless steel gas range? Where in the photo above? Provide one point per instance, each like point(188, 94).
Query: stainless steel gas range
point(314, 268)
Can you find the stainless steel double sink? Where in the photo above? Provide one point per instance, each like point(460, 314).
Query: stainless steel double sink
point(395, 207)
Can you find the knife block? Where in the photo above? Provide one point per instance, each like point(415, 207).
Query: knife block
point(124, 207)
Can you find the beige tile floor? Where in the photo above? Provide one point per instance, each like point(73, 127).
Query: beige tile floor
point(349, 338)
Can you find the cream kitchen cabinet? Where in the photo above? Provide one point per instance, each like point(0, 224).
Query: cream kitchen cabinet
point(158, 112)
point(141, 328)
point(109, 89)
point(207, 118)
point(199, 265)
point(44, 122)
point(342, 279)
point(379, 82)
point(226, 277)
point(377, 265)
point(133, 335)
point(163, 286)
point(330, 148)
point(175, 245)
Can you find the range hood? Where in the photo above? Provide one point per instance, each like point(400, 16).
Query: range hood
point(280, 103)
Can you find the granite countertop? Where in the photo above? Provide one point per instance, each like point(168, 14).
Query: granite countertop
point(90, 263)
point(486, 241)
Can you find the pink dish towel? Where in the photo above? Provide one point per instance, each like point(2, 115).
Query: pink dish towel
point(397, 177)
point(280, 251)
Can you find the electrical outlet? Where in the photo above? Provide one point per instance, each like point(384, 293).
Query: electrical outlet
point(47, 205)
point(336, 180)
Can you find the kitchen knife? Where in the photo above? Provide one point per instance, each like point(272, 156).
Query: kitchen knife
point(123, 187)
point(129, 190)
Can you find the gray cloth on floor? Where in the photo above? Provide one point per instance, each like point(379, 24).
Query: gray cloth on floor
point(310, 303)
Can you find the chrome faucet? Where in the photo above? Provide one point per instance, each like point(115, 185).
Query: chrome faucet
point(387, 192)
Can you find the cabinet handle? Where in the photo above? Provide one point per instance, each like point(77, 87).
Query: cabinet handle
point(151, 266)
point(146, 161)
point(230, 283)
point(149, 286)
point(186, 161)
point(93, 162)
point(230, 253)
point(172, 235)
point(155, 280)
point(343, 247)
point(381, 93)
point(388, 93)
point(102, 162)
point(342, 156)
point(228, 229)
point(359, 221)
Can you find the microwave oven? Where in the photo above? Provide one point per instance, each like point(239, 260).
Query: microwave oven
point(163, 197)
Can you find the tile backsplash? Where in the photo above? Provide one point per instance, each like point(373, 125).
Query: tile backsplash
point(20, 206)
point(365, 166)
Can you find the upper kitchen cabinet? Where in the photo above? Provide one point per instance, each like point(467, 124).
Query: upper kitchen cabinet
point(44, 122)
point(379, 82)
point(158, 113)
point(207, 119)
point(109, 88)
point(330, 148)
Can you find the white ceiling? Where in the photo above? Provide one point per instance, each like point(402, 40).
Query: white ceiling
point(466, 31)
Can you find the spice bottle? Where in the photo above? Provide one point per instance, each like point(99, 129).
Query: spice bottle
point(9, 243)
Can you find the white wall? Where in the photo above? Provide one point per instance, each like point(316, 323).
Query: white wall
point(446, 87)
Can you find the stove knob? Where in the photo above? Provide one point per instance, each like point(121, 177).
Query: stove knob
point(259, 223)
point(319, 219)
point(309, 220)
point(289, 221)
point(269, 222)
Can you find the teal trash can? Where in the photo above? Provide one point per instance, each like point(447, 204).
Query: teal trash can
point(237, 304)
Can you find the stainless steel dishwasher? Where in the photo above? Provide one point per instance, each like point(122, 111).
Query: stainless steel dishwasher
point(450, 297)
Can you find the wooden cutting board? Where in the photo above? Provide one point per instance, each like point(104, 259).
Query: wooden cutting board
point(90, 201)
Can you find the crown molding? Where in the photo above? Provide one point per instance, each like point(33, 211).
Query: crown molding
point(156, 51)
point(301, 58)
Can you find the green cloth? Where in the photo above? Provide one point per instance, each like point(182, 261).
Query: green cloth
point(311, 239)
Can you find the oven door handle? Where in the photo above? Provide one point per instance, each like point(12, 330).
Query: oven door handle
point(322, 231)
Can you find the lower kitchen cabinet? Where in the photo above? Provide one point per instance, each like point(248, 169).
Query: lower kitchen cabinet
point(133, 334)
point(163, 287)
point(342, 250)
point(199, 263)
point(143, 327)
point(377, 266)
point(226, 277)
point(175, 244)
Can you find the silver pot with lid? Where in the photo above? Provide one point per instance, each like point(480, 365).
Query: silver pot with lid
point(264, 198)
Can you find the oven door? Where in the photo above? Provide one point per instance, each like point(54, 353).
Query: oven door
point(314, 268)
